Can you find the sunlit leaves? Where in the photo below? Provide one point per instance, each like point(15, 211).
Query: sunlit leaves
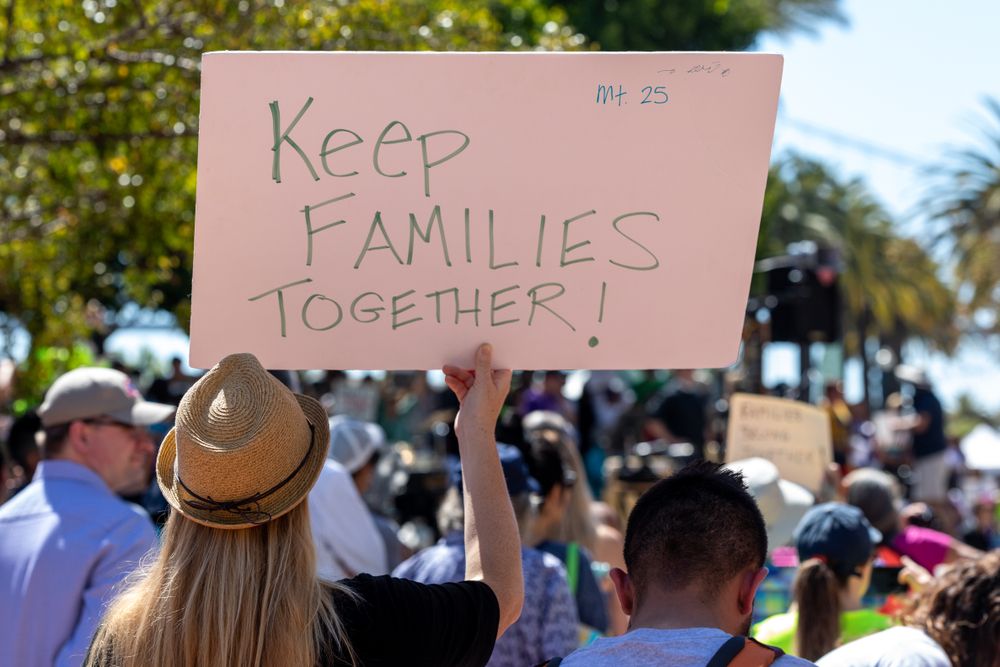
point(98, 125)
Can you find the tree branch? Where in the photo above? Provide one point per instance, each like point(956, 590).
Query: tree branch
point(61, 137)
point(9, 42)
point(151, 56)
point(139, 29)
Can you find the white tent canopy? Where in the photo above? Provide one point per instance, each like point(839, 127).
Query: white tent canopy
point(981, 449)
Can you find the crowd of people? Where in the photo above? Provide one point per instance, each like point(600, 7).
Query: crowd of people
point(248, 517)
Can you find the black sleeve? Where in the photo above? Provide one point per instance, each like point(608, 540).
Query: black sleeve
point(400, 622)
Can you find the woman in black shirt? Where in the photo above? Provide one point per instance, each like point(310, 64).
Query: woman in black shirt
point(235, 582)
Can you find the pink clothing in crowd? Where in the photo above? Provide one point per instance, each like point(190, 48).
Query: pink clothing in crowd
point(928, 548)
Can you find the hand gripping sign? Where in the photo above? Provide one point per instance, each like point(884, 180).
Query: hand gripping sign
point(393, 210)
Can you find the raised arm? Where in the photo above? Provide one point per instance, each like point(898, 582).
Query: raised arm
point(492, 543)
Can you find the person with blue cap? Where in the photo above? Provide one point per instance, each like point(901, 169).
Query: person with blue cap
point(548, 623)
point(836, 547)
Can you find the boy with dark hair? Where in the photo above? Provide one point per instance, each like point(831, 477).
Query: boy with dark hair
point(695, 548)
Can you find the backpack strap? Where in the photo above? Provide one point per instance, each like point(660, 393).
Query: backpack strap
point(744, 652)
point(729, 650)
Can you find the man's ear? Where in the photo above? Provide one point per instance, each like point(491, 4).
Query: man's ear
point(624, 589)
point(749, 582)
point(76, 437)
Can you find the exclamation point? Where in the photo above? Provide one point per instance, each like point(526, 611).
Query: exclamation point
point(593, 342)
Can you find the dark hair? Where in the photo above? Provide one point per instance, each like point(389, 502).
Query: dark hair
point(816, 592)
point(21, 439)
point(874, 493)
point(699, 526)
point(55, 438)
point(544, 461)
point(961, 611)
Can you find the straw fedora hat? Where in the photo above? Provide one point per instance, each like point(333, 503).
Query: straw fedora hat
point(245, 449)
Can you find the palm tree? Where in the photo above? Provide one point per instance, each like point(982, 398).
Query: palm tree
point(965, 200)
point(890, 287)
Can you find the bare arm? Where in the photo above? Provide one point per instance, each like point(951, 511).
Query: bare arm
point(958, 550)
point(918, 423)
point(492, 542)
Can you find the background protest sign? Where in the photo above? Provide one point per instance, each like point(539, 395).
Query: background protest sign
point(393, 210)
point(794, 436)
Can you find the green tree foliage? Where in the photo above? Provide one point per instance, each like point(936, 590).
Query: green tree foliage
point(967, 415)
point(692, 25)
point(966, 201)
point(98, 128)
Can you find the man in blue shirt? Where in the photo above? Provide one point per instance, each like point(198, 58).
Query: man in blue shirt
point(67, 539)
point(695, 548)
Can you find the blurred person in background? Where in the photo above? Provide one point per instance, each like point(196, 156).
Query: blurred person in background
point(892, 434)
point(929, 449)
point(836, 546)
point(879, 496)
point(171, 388)
point(548, 396)
point(680, 411)
point(602, 404)
point(357, 445)
point(592, 524)
point(841, 421)
point(22, 447)
point(954, 621)
point(406, 402)
point(556, 481)
point(548, 622)
point(983, 533)
point(348, 542)
point(67, 539)
point(3, 475)
point(645, 384)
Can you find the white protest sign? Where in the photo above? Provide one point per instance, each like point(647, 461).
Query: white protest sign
point(394, 210)
point(794, 436)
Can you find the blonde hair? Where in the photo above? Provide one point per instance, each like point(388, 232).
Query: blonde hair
point(215, 598)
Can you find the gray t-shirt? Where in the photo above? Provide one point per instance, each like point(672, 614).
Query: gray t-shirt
point(648, 647)
point(895, 647)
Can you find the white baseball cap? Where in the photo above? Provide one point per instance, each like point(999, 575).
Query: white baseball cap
point(352, 441)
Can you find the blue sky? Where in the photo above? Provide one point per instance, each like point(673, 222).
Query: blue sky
point(906, 78)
